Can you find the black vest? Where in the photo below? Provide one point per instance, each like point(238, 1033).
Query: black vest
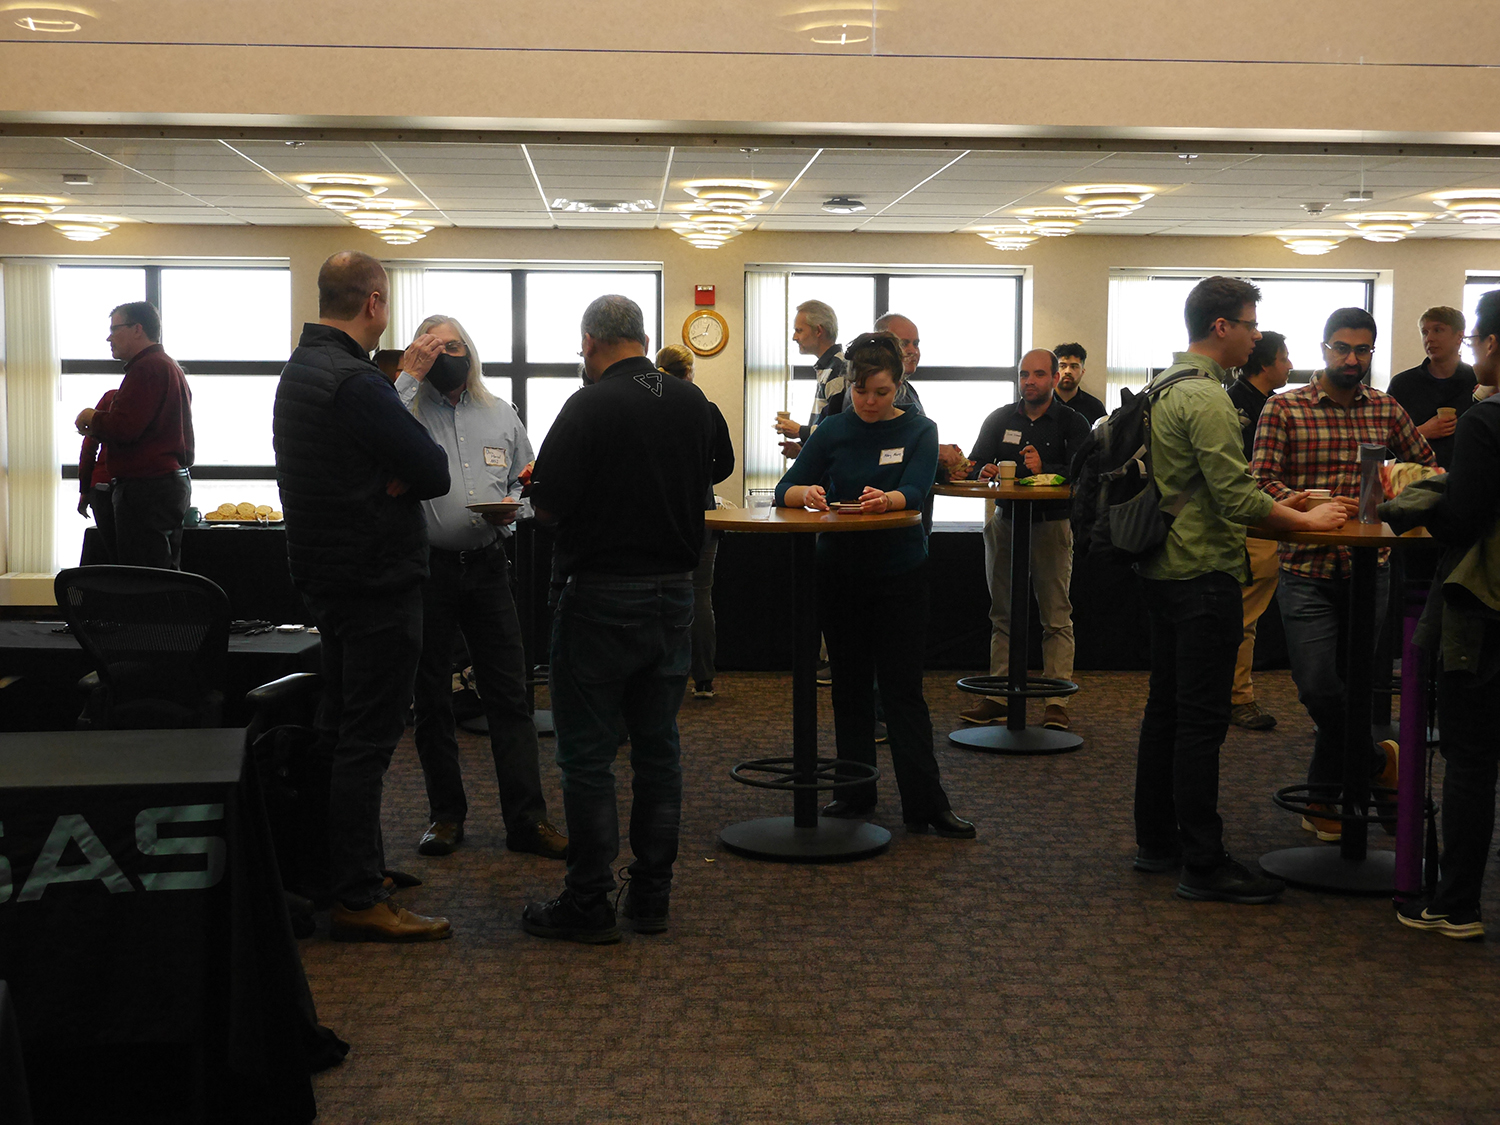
point(345, 537)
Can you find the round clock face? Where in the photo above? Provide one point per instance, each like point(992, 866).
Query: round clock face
point(705, 333)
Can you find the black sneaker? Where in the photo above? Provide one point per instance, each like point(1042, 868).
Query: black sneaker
point(703, 689)
point(825, 674)
point(1155, 862)
point(1229, 882)
point(566, 918)
point(646, 910)
point(1464, 925)
point(881, 734)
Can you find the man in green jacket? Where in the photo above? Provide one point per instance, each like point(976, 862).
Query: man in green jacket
point(1192, 594)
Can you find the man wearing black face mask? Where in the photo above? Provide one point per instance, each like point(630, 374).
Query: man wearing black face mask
point(468, 591)
point(1310, 438)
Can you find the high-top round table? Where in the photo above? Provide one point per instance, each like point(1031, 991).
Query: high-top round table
point(1015, 737)
point(803, 837)
point(1351, 867)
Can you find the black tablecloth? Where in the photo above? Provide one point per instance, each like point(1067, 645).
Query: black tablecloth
point(15, 1104)
point(52, 663)
point(248, 563)
point(142, 922)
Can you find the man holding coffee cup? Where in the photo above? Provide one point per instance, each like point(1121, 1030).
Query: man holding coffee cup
point(1441, 387)
point(1036, 434)
point(1309, 438)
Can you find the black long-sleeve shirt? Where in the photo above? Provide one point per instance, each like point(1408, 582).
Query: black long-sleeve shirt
point(1471, 502)
point(1056, 435)
point(1420, 394)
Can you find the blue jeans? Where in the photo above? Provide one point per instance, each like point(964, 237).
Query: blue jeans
point(1315, 615)
point(620, 653)
point(1196, 626)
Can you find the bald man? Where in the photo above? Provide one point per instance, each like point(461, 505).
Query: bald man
point(1040, 435)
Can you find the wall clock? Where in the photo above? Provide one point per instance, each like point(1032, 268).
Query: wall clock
point(706, 332)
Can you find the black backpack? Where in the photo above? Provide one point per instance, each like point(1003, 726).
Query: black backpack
point(1117, 513)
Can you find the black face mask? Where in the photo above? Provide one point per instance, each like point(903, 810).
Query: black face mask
point(448, 373)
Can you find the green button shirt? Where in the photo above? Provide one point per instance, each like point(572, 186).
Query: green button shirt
point(1196, 442)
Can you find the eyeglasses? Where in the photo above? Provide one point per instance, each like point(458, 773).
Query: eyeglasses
point(113, 328)
point(1344, 351)
point(1475, 340)
point(1250, 324)
point(456, 348)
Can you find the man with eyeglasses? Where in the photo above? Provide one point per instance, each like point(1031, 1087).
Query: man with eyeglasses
point(148, 428)
point(1310, 438)
point(1438, 390)
point(468, 592)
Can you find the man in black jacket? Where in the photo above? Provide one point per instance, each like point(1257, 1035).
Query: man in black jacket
point(353, 466)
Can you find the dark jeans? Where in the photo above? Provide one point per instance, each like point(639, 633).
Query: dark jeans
point(475, 599)
point(1196, 627)
point(887, 641)
point(102, 504)
point(1469, 717)
point(370, 649)
point(705, 640)
point(148, 520)
point(1315, 615)
point(620, 653)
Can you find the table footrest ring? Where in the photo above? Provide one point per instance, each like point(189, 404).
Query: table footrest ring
point(1037, 687)
point(783, 774)
point(1299, 799)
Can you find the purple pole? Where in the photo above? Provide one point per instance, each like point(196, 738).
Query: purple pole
point(1412, 782)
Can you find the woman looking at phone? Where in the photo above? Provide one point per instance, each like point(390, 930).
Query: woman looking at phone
point(872, 586)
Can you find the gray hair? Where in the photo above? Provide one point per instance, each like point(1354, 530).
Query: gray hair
point(475, 386)
point(821, 318)
point(882, 321)
point(613, 317)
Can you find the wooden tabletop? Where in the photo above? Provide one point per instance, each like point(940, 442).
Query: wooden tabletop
point(801, 519)
point(982, 490)
point(1352, 534)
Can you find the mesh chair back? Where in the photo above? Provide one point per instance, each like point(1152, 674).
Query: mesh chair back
point(157, 639)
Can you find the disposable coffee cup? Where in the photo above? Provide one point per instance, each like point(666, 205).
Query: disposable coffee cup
point(1007, 470)
point(1447, 412)
point(783, 416)
point(1318, 496)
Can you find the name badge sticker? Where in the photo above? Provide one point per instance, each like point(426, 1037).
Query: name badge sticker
point(892, 456)
point(1012, 437)
point(494, 457)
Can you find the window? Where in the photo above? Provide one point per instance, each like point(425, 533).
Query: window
point(1474, 288)
point(1146, 325)
point(230, 329)
point(970, 327)
point(524, 323)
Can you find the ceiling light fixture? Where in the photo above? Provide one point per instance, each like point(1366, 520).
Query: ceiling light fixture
point(1386, 226)
point(843, 205)
point(1008, 239)
point(1053, 222)
point(1311, 242)
point(84, 228)
point(1474, 207)
point(49, 19)
point(28, 210)
point(1110, 201)
point(604, 206)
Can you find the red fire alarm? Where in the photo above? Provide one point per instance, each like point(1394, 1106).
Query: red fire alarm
point(703, 295)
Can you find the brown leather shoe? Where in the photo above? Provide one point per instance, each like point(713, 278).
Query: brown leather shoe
point(984, 712)
point(1055, 717)
point(543, 840)
point(441, 838)
point(385, 921)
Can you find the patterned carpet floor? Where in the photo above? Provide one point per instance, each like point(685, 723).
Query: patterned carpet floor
point(1030, 975)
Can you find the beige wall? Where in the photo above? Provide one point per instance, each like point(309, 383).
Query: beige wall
point(944, 67)
point(1070, 275)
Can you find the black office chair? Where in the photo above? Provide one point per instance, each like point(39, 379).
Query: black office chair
point(157, 640)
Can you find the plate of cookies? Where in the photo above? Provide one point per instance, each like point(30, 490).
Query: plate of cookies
point(243, 513)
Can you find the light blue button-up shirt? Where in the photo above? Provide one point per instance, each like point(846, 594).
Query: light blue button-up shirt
point(487, 448)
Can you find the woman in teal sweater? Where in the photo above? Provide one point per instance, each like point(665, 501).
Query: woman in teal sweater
point(872, 587)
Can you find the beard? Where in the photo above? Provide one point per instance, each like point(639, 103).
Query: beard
point(1343, 378)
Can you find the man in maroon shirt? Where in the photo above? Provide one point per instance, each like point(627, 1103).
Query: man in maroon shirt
point(149, 430)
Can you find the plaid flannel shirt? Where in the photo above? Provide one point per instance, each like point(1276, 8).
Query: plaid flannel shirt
point(1306, 440)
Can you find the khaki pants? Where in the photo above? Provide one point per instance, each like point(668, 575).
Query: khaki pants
point(1264, 568)
point(1051, 573)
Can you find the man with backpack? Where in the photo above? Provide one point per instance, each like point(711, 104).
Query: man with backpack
point(1191, 585)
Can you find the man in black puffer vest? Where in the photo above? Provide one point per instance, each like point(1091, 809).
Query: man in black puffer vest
point(353, 466)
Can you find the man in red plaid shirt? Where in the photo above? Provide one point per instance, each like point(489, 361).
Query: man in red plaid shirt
point(1310, 438)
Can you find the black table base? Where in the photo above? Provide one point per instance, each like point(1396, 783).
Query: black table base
point(829, 841)
point(1026, 741)
point(1327, 869)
